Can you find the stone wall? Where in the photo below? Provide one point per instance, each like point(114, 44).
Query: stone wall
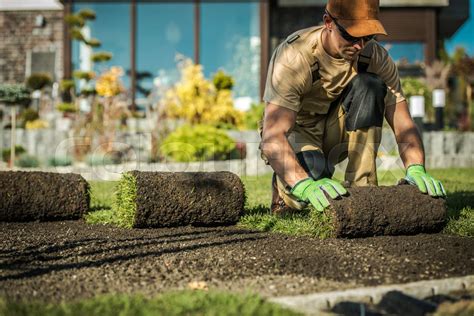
point(20, 36)
point(443, 150)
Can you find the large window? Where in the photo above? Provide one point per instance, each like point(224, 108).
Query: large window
point(163, 31)
point(230, 40)
point(112, 28)
point(406, 53)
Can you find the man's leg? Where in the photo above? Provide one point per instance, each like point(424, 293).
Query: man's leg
point(317, 167)
point(361, 168)
point(305, 139)
point(354, 129)
point(278, 205)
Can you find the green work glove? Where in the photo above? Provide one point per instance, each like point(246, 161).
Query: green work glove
point(416, 175)
point(309, 190)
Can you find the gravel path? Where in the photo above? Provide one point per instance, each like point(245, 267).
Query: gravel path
point(72, 260)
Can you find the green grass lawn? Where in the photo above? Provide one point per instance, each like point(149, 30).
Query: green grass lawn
point(168, 304)
point(459, 184)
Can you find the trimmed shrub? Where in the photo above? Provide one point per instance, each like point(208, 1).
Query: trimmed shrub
point(66, 84)
point(18, 151)
point(197, 143)
point(93, 42)
point(223, 81)
point(86, 75)
point(39, 80)
point(74, 20)
point(59, 161)
point(27, 161)
point(86, 14)
point(99, 160)
point(14, 94)
point(66, 107)
point(88, 91)
point(77, 35)
point(101, 57)
point(29, 115)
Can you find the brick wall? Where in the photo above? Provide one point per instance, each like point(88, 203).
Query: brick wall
point(19, 35)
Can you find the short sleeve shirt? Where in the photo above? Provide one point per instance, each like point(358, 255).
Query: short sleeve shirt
point(301, 57)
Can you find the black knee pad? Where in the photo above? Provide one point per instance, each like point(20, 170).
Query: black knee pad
point(315, 164)
point(364, 101)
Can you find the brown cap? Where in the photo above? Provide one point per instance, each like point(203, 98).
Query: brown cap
point(358, 17)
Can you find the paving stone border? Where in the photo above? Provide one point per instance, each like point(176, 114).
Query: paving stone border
point(311, 303)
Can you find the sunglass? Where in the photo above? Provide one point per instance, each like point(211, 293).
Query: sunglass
point(348, 37)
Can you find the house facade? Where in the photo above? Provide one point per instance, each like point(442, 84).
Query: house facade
point(31, 39)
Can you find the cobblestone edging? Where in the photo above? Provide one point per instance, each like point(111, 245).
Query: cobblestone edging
point(312, 303)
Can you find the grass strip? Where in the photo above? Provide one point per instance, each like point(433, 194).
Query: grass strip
point(459, 185)
point(170, 304)
point(309, 222)
point(461, 223)
point(124, 205)
point(102, 194)
point(101, 216)
point(113, 202)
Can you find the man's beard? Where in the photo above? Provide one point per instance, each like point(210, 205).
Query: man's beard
point(349, 55)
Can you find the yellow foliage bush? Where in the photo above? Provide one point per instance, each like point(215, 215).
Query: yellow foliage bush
point(109, 83)
point(196, 100)
point(36, 124)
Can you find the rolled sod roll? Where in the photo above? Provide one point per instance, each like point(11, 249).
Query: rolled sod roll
point(164, 199)
point(44, 196)
point(387, 210)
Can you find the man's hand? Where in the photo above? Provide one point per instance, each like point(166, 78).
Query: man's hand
point(416, 175)
point(309, 190)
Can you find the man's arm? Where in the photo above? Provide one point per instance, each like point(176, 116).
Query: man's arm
point(410, 145)
point(411, 151)
point(278, 122)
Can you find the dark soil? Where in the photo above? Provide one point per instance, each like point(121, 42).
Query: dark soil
point(26, 196)
point(387, 210)
point(73, 260)
point(167, 199)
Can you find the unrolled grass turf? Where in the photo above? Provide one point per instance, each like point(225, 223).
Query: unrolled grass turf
point(30, 196)
point(164, 199)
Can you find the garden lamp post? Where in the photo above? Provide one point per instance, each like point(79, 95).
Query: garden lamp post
point(13, 95)
point(11, 164)
point(439, 102)
point(417, 110)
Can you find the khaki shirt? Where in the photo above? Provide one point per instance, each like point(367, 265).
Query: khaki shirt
point(290, 75)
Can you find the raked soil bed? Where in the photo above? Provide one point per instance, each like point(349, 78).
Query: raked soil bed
point(72, 260)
